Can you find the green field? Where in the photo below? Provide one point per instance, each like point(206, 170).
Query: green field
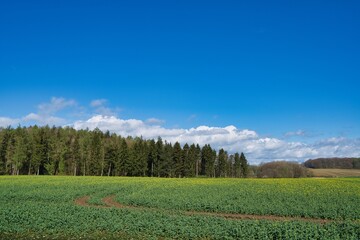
point(153, 208)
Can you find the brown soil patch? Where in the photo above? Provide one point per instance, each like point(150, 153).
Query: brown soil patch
point(110, 202)
point(83, 201)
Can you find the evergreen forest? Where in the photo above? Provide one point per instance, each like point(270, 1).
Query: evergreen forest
point(54, 150)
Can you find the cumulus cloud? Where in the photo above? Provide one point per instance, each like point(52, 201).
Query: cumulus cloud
point(43, 120)
point(6, 121)
point(45, 114)
point(31, 119)
point(257, 149)
point(129, 127)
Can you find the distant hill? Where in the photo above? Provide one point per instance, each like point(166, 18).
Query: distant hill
point(339, 163)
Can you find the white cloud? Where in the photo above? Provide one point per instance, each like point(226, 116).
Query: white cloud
point(45, 114)
point(130, 127)
point(296, 133)
point(155, 121)
point(98, 102)
point(56, 104)
point(100, 108)
point(43, 120)
point(256, 148)
point(5, 121)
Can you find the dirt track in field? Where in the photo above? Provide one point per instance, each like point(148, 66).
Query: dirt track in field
point(83, 201)
point(110, 202)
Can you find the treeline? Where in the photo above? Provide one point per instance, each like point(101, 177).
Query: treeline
point(343, 163)
point(281, 169)
point(66, 151)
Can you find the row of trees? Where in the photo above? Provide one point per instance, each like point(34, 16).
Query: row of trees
point(344, 163)
point(66, 151)
point(281, 169)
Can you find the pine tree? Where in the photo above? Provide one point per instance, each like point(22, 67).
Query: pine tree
point(237, 165)
point(244, 165)
point(159, 161)
point(197, 160)
point(222, 163)
point(75, 154)
point(167, 168)
point(123, 164)
point(177, 161)
point(188, 161)
point(38, 151)
point(10, 156)
point(20, 150)
point(152, 155)
point(231, 164)
point(5, 137)
point(57, 150)
point(110, 154)
point(85, 153)
point(96, 163)
point(208, 157)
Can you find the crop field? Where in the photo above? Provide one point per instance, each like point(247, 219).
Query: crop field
point(333, 172)
point(52, 207)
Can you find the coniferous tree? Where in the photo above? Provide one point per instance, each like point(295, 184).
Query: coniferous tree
point(9, 167)
point(20, 150)
point(197, 160)
point(123, 162)
point(66, 151)
point(176, 170)
point(159, 161)
point(38, 153)
point(208, 157)
point(244, 165)
point(204, 159)
point(96, 161)
point(144, 158)
point(138, 165)
point(75, 154)
point(188, 161)
point(152, 156)
point(110, 154)
point(231, 164)
point(5, 140)
point(222, 163)
point(237, 165)
point(85, 153)
point(167, 161)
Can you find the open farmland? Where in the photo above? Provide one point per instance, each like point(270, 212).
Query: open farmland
point(334, 172)
point(152, 208)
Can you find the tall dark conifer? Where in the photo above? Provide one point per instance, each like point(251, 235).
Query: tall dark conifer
point(244, 165)
point(177, 165)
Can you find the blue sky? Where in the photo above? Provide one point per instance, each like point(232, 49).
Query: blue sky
point(286, 70)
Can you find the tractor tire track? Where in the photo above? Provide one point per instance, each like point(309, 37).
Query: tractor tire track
point(110, 202)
